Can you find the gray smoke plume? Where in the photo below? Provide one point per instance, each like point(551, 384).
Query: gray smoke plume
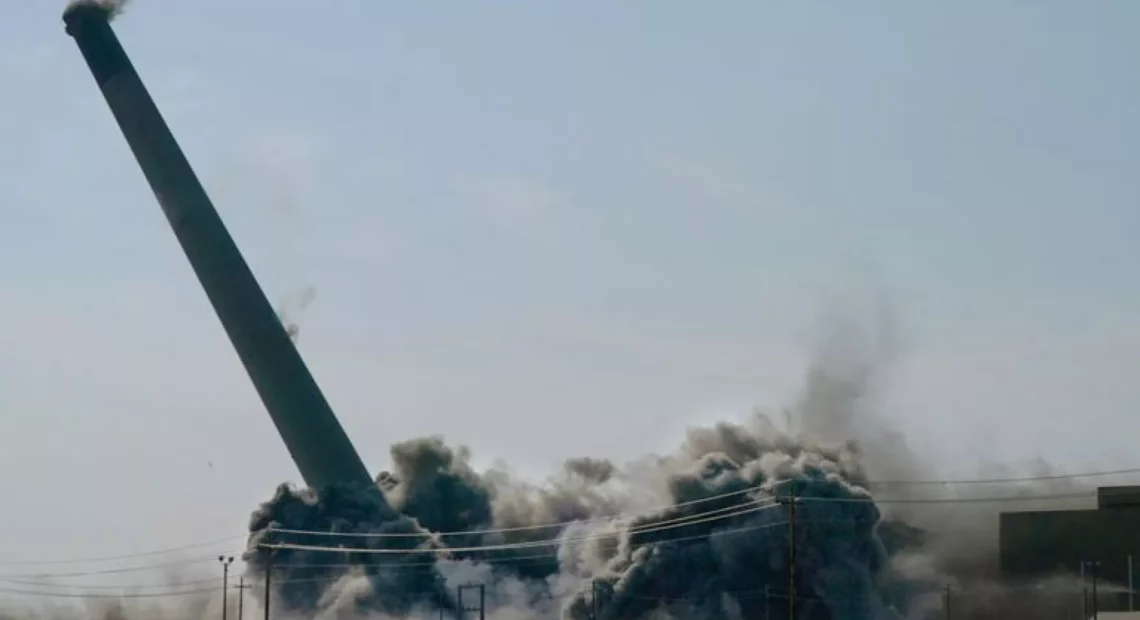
point(585, 539)
point(700, 533)
point(112, 8)
point(603, 540)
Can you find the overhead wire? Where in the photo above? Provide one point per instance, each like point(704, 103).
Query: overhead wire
point(397, 565)
point(126, 556)
point(112, 571)
point(765, 486)
point(666, 525)
point(533, 527)
point(89, 595)
point(952, 500)
point(676, 521)
point(1016, 479)
point(688, 520)
point(403, 565)
point(131, 591)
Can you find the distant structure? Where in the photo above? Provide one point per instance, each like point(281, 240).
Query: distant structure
point(1103, 543)
point(312, 434)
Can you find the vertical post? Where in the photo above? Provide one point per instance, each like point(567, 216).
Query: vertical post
point(792, 558)
point(767, 603)
point(463, 608)
point(1095, 602)
point(226, 587)
point(1131, 586)
point(225, 562)
point(600, 600)
point(946, 601)
point(268, 579)
point(442, 585)
point(241, 595)
point(1084, 594)
point(594, 599)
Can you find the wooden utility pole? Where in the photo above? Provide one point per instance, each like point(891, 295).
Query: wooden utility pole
point(1131, 587)
point(1084, 593)
point(1095, 602)
point(241, 588)
point(268, 579)
point(792, 560)
point(464, 608)
point(791, 503)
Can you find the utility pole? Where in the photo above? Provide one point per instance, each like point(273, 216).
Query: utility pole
point(225, 562)
point(1084, 593)
point(792, 560)
point(482, 608)
point(1095, 603)
point(1131, 586)
point(241, 588)
point(268, 580)
point(441, 586)
point(595, 603)
point(791, 502)
point(600, 592)
point(946, 601)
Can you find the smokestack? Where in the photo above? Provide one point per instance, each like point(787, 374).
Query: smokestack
point(312, 434)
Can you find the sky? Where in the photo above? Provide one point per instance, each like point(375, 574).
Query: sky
point(549, 229)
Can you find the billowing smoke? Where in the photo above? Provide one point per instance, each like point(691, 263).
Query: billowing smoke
point(717, 548)
point(112, 8)
point(703, 532)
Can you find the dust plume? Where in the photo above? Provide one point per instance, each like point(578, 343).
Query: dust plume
point(702, 532)
point(111, 8)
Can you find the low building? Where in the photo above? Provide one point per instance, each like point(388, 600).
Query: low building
point(1104, 541)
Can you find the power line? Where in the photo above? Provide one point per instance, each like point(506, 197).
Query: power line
point(525, 528)
point(705, 536)
point(692, 519)
point(110, 571)
point(1044, 478)
point(724, 512)
point(761, 487)
point(952, 500)
point(81, 586)
point(64, 589)
point(403, 566)
point(82, 595)
point(127, 556)
point(767, 486)
point(665, 525)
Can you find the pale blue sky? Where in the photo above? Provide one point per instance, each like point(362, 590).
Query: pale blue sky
point(588, 223)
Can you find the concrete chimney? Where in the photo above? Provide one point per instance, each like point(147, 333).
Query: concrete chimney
point(312, 434)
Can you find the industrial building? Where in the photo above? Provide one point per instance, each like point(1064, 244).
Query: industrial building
point(1103, 544)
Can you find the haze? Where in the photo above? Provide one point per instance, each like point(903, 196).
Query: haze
point(561, 229)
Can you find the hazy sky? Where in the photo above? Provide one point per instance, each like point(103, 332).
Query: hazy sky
point(548, 229)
